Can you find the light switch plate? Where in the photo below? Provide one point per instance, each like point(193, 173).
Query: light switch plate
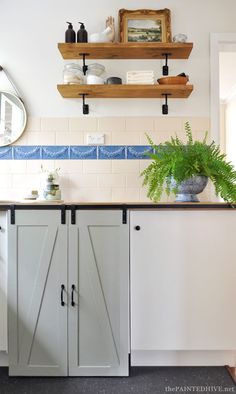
point(95, 139)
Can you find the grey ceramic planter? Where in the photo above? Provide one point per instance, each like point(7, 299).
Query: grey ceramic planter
point(187, 191)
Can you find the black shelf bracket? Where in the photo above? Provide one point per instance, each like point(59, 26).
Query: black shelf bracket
point(124, 215)
point(73, 214)
point(12, 214)
point(165, 68)
point(63, 214)
point(85, 106)
point(85, 67)
point(165, 106)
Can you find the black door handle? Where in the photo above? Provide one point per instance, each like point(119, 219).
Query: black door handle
point(72, 295)
point(137, 228)
point(62, 290)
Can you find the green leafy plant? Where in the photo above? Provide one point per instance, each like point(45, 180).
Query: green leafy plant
point(175, 159)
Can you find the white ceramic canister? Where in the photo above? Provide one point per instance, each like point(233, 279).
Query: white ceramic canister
point(95, 74)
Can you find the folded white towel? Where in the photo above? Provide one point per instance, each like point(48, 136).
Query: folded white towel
point(140, 72)
point(137, 82)
point(140, 79)
point(141, 82)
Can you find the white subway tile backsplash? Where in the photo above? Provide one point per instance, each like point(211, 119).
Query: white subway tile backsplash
point(197, 124)
point(92, 195)
point(111, 180)
point(83, 180)
point(143, 195)
point(169, 124)
point(154, 135)
point(6, 181)
point(127, 138)
point(69, 166)
point(40, 138)
point(98, 180)
point(83, 124)
point(127, 195)
point(125, 166)
point(34, 166)
point(111, 124)
point(76, 138)
point(70, 138)
point(62, 138)
point(143, 164)
point(145, 124)
point(134, 181)
point(97, 166)
point(33, 124)
point(11, 194)
point(25, 181)
point(5, 167)
point(17, 166)
point(54, 124)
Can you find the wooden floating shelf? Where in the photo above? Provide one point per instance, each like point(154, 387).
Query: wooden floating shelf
point(125, 91)
point(125, 51)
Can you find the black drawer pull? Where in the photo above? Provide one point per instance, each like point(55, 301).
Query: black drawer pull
point(137, 228)
point(72, 295)
point(62, 290)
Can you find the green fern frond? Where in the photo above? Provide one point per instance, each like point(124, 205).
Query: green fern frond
point(174, 159)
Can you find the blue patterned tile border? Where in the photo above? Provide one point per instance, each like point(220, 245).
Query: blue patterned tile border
point(138, 152)
point(112, 152)
point(6, 153)
point(55, 152)
point(27, 152)
point(74, 152)
point(83, 152)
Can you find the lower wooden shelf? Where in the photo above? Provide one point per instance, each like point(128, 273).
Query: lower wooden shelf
point(125, 91)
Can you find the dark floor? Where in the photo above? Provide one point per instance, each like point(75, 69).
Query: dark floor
point(143, 380)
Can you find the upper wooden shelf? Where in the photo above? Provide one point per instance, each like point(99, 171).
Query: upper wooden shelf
point(125, 91)
point(125, 51)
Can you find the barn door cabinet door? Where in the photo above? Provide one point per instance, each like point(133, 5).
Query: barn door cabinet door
point(37, 271)
point(99, 274)
point(75, 276)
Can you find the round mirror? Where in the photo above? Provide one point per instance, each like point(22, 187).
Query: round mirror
point(13, 118)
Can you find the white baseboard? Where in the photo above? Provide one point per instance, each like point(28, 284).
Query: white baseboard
point(182, 358)
point(170, 358)
point(3, 359)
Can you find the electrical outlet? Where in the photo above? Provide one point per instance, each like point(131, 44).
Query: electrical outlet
point(95, 139)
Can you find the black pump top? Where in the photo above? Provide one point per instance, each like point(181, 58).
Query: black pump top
point(70, 25)
point(81, 25)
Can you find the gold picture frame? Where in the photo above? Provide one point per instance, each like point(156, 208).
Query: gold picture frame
point(145, 25)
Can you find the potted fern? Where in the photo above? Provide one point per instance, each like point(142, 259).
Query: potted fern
point(184, 169)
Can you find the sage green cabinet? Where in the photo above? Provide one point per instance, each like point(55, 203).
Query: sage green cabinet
point(88, 334)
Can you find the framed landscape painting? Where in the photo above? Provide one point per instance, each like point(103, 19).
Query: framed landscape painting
point(145, 25)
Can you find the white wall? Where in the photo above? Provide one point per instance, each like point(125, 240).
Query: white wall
point(230, 125)
point(30, 31)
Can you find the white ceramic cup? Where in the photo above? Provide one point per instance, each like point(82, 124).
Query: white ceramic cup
point(94, 80)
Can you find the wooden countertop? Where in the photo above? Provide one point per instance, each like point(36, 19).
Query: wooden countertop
point(5, 205)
